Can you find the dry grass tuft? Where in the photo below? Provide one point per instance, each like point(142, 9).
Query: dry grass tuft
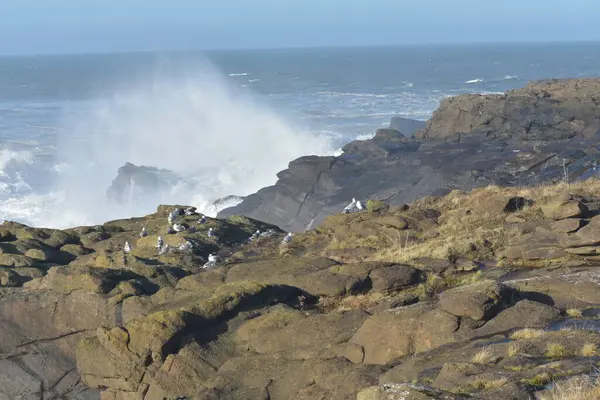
point(539, 380)
point(484, 356)
point(527, 333)
point(488, 384)
point(556, 350)
point(589, 350)
point(515, 349)
point(578, 388)
point(348, 303)
point(574, 313)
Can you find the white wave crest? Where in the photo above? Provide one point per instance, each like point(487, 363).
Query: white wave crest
point(476, 80)
point(239, 74)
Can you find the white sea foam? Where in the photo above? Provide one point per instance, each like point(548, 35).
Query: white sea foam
point(239, 74)
point(194, 123)
point(476, 80)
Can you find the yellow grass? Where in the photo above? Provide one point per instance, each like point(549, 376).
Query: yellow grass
point(556, 350)
point(574, 313)
point(527, 334)
point(347, 303)
point(489, 384)
point(484, 356)
point(515, 349)
point(539, 380)
point(579, 388)
point(466, 229)
point(589, 350)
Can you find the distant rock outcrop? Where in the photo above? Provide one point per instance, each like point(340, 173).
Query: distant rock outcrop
point(544, 110)
point(136, 182)
point(545, 132)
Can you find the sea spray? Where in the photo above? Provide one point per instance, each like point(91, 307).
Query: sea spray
point(185, 118)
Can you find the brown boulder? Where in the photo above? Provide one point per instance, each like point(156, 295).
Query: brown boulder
point(395, 277)
point(573, 289)
point(271, 332)
point(479, 301)
point(567, 225)
point(317, 276)
point(524, 314)
point(569, 209)
point(405, 330)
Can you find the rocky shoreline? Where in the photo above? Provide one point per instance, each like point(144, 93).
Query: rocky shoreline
point(487, 293)
point(523, 137)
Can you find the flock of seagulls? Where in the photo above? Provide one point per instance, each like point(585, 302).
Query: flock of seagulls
point(213, 259)
point(353, 204)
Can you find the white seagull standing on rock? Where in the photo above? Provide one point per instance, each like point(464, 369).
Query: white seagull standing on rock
point(190, 211)
point(178, 227)
point(144, 232)
point(164, 250)
point(287, 238)
point(212, 261)
point(172, 216)
point(254, 236)
point(211, 233)
point(127, 247)
point(350, 206)
point(160, 242)
point(202, 219)
point(187, 246)
point(360, 206)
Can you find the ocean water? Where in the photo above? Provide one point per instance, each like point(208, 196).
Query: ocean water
point(228, 120)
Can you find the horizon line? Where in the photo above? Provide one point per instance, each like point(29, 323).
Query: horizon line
point(300, 47)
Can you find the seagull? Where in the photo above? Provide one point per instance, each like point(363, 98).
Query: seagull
point(127, 247)
point(164, 250)
point(187, 246)
point(254, 236)
point(172, 216)
point(350, 206)
point(287, 238)
point(211, 233)
point(268, 233)
point(144, 232)
point(202, 219)
point(179, 227)
point(190, 211)
point(360, 206)
point(160, 242)
point(212, 261)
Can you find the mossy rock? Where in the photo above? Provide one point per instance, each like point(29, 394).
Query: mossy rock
point(65, 280)
point(15, 260)
point(377, 206)
point(9, 278)
point(39, 254)
point(75, 250)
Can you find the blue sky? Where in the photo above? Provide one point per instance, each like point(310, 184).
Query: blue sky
point(76, 26)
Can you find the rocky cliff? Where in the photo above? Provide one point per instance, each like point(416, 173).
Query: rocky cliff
point(526, 136)
point(487, 295)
